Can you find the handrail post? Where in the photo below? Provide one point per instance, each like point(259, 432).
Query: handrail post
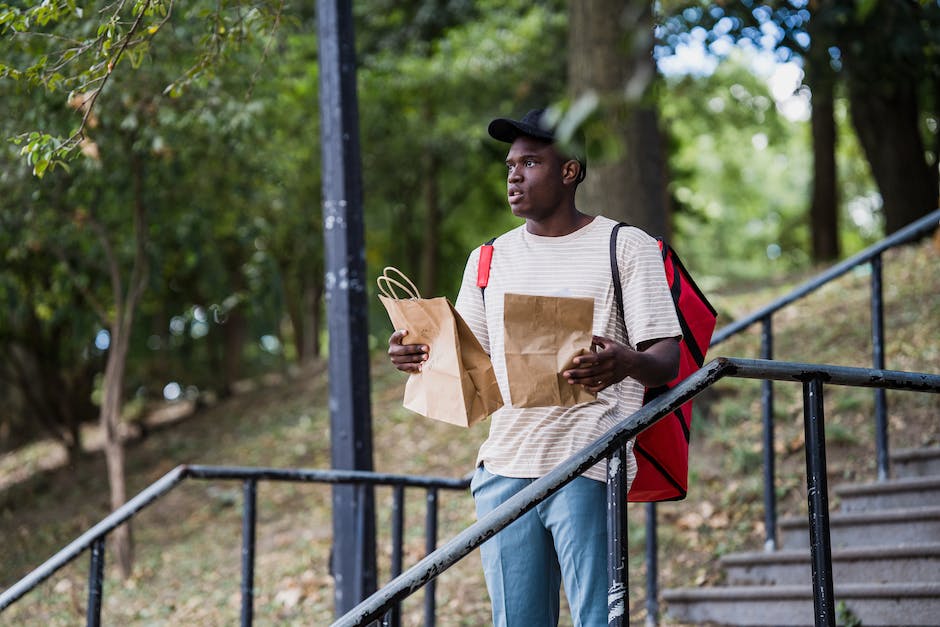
point(618, 600)
point(249, 517)
point(95, 583)
point(652, 566)
point(878, 361)
point(818, 502)
point(767, 419)
point(430, 544)
point(393, 617)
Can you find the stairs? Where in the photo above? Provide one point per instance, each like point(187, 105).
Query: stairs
point(885, 542)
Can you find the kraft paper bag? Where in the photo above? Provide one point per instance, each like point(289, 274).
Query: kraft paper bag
point(543, 336)
point(456, 384)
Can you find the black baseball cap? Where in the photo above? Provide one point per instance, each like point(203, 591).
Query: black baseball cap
point(533, 124)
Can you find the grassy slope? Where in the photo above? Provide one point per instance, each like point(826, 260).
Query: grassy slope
point(188, 543)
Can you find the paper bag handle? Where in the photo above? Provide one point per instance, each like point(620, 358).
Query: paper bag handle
point(387, 284)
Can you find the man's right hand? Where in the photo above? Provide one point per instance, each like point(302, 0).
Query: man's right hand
point(406, 357)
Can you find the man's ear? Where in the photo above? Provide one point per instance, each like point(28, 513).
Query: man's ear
point(571, 171)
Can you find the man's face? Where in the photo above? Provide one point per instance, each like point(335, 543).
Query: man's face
point(534, 180)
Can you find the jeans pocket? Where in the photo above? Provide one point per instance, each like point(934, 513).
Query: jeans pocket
point(479, 476)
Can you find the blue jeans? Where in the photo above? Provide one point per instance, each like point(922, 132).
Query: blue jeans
point(564, 538)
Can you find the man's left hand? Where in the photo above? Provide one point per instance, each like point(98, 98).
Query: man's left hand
point(610, 362)
point(607, 363)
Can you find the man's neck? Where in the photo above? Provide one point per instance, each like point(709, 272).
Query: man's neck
point(559, 224)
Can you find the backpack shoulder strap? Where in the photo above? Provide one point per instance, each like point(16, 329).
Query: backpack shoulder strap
point(615, 272)
point(483, 265)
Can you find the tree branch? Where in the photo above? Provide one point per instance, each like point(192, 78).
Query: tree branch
point(267, 48)
point(89, 104)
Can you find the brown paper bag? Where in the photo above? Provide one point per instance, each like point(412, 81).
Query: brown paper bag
point(543, 336)
point(457, 383)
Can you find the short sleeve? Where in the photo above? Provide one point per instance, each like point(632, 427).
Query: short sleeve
point(649, 311)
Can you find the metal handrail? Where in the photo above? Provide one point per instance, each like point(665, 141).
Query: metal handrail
point(473, 536)
point(93, 539)
point(871, 255)
point(72, 550)
point(913, 230)
point(426, 570)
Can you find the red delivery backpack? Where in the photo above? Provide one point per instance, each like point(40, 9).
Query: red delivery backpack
point(661, 451)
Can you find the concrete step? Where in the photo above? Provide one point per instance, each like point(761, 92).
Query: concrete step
point(892, 494)
point(872, 604)
point(895, 527)
point(882, 564)
point(915, 462)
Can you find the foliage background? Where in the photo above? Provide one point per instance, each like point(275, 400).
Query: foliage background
point(211, 125)
point(208, 127)
point(224, 127)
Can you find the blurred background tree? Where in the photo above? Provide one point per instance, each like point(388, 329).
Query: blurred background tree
point(173, 244)
point(612, 78)
point(879, 56)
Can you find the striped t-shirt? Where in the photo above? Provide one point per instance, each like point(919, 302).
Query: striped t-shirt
point(530, 442)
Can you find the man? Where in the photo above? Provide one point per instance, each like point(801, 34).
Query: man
point(559, 251)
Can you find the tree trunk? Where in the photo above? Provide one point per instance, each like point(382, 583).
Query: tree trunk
point(81, 387)
point(883, 95)
point(886, 121)
point(313, 304)
point(610, 47)
point(112, 401)
point(296, 304)
point(113, 384)
point(234, 332)
point(303, 309)
point(70, 405)
point(58, 401)
point(824, 206)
